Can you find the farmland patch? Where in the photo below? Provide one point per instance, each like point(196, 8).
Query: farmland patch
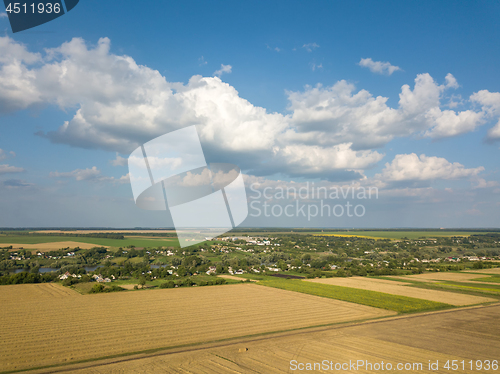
point(47, 324)
point(404, 289)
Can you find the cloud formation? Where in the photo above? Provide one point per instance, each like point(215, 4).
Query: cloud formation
point(490, 105)
point(275, 49)
point(16, 183)
point(7, 169)
point(119, 161)
point(309, 47)
point(224, 69)
point(410, 167)
point(119, 105)
point(378, 67)
point(4, 155)
point(315, 67)
point(93, 174)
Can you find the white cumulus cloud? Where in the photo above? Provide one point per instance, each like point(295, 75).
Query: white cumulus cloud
point(378, 67)
point(490, 105)
point(224, 69)
point(410, 167)
point(119, 161)
point(117, 105)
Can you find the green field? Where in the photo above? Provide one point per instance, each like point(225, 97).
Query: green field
point(492, 279)
point(473, 286)
point(138, 242)
point(476, 289)
point(400, 304)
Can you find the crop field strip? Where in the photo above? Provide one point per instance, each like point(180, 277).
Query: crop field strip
point(94, 242)
point(494, 271)
point(376, 234)
point(401, 289)
point(490, 279)
point(397, 303)
point(461, 283)
point(439, 276)
point(484, 287)
point(449, 288)
point(118, 231)
point(47, 324)
point(461, 334)
point(393, 234)
point(50, 246)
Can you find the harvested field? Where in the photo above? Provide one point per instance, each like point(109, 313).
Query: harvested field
point(469, 334)
point(129, 286)
point(438, 276)
point(105, 231)
point(94, 242)
point(404, 289)
point(53, 246)
point(234, 278)
point(47, 324)
point(485, 271)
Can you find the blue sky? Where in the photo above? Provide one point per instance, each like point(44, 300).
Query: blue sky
point(360, 127)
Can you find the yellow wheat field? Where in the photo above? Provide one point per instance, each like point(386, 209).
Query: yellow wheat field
point(403, 289)
point(48, 324)
point(353, 236)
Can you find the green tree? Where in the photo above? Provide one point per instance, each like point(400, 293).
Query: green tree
point(282, 265)
point(181, 271)
point(97, 288)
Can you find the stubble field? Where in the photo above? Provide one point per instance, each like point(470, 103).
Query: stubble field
point(466, 334)
point(57, 242)
point(47, 324)
point(494, 271)
point(439, 276)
